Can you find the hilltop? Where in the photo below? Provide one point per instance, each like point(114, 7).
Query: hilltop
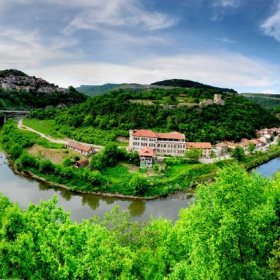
point(94, 90)
point(18, 90)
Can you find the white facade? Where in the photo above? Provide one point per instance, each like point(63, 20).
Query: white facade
point(162, 143)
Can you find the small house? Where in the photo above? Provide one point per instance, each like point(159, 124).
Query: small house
point(222, 147)
point(81, 163)
point(206, 147)
point(146, 157)
point(80, 148)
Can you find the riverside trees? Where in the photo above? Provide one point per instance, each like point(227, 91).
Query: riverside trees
point(229, 233)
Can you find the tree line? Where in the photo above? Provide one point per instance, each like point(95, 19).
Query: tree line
point(113, 114)
point(230, 232)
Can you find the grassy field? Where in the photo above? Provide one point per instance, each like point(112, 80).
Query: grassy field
point(174, 170)
point(43, 126)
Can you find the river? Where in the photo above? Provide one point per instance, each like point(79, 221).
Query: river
point(24, 190)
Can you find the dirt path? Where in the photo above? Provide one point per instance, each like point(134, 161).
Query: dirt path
point(58, 141)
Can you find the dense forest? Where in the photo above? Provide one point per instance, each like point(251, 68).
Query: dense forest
point(231, 232)
point(101, 119)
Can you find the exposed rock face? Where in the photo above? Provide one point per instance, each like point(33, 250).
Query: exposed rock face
point(17, 80)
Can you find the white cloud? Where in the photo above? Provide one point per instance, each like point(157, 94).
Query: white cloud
point(270, 91)
point(271, 26)
point(227, 3)
point(226, 40)
point(224, 70)
point(120, 13)
point(24, 50)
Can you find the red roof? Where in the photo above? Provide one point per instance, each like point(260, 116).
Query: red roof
point(144, 133)
point(146, 152)
point(199, 145)
point(221, 145)
point(171, 135)
point(151, 134)
point(83, 161)
point(79, 146)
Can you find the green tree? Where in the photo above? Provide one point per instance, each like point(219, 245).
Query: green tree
point(229, 231)
point(238, 153)
point(193, 154)
point(139, 184)
point(251, 148)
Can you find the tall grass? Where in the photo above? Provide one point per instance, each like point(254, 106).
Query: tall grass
point(43, 126)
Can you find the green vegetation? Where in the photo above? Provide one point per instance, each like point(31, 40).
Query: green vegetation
point(231, 232)
point(23, 92)
point(190, 84)
point(13, 99)
point(109, 169)
point(112, 170)
point(43, 126)
point(268, 101)
point(238, 153)
point(91, 90)
point(193, 154)
point(102, 119)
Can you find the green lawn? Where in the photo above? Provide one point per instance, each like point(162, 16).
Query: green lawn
point(43, 126)
point(174, 170)
point(117, 174)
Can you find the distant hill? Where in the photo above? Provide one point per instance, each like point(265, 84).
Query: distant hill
point(18, 90)
point(92, 90)
point(97, 90)
point(268, 101)
point(189, 84)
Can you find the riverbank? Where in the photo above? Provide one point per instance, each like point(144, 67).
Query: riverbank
point(177, 175)
point(202, 179)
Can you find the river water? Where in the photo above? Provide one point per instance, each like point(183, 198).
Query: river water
point(24, 190)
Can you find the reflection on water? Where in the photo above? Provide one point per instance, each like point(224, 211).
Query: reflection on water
point(137, 208)
point(25, 190)
point(92, 201)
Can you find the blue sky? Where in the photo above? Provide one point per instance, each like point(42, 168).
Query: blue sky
point(226, 43)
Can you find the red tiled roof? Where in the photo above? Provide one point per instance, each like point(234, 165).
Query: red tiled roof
point(221, 145)
point(83, 161)
point(144, 133)
point(146, 152)
point(171, 135)
point(199, 145)
point(151, 134)
point(79, 146)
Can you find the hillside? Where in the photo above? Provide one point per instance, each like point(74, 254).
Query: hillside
point(103, 118)
point(268, 101)
point(92, 90)
point(18, 90)
point(190, 84)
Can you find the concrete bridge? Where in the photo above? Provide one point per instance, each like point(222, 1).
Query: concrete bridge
point(12, 113)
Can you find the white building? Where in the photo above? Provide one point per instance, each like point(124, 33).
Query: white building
point(172, 143)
